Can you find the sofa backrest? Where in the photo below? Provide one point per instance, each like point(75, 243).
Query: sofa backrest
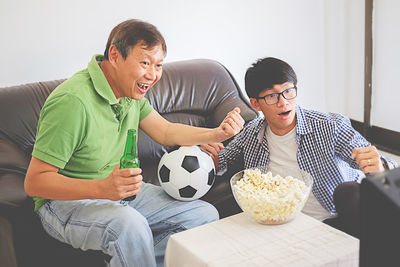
point(19, 112)
point(196, 92)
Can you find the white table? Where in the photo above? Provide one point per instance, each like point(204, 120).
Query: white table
point(238, 241)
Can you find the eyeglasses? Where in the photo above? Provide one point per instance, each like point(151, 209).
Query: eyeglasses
point(272, 99)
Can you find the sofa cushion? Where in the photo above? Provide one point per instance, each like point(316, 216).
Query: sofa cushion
point(13, 166)
point(12, 192)
point(19, 112)
point(199, 86)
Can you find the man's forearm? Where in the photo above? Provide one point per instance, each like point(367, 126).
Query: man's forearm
point(58, 187)
point(185, 135)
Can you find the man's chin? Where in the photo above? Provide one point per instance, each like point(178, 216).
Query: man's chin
point(138, 96)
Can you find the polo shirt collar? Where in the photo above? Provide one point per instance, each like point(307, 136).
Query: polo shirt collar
point(100, 82)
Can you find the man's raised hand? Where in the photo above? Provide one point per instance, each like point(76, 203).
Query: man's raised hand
point(230, 126)
point(368, 159)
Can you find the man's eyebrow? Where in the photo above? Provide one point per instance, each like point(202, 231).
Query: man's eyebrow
point(151, 58)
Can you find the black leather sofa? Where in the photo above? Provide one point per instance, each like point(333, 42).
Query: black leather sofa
point(196, 92)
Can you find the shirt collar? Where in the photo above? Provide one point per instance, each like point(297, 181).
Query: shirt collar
point(302, 124)
point(100, 82)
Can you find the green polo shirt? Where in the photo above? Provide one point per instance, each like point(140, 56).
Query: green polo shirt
point(82, 128)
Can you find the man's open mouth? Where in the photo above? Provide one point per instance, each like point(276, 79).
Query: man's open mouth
point(284, 113)
point(143, 87)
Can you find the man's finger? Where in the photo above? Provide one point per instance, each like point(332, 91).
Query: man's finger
point(236, 109)
point(360, 150)
point(132, 180)
point(130, 172)
point(212, 149)
point(216, 147)
point(238, 120)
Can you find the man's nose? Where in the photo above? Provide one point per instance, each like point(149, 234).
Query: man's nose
point(151, 74)
point(281, 100)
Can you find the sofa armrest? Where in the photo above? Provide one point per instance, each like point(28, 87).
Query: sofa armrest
point(7, 251)
point(13, 166)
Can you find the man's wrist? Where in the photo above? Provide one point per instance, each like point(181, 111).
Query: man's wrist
point(217, 135)
point(97, 188)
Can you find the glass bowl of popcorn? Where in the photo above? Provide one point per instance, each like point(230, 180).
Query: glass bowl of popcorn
point(271, 198)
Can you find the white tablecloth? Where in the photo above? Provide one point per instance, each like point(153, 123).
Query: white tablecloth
point(238, 241)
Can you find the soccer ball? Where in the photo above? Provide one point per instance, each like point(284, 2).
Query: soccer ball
point(186, 173)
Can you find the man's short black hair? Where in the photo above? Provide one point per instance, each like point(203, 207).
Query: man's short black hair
point(131, 32)
point(265, 73)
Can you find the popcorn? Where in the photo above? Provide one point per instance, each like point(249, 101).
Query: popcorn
point(270, 199)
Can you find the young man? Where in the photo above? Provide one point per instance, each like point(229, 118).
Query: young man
point(323, 144)
point(81, 135)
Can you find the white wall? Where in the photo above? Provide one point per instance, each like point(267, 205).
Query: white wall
point(386, 68)
point(45, 40)
point(344, 57)
point(344, 60)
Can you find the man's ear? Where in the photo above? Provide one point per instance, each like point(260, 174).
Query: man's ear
point(113, 55)
point(254, 102)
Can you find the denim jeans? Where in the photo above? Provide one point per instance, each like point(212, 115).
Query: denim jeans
point(133, 233)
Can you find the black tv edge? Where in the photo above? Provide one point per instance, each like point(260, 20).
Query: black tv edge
point(380, 219)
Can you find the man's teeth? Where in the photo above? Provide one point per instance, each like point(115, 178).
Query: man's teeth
point(143, 86)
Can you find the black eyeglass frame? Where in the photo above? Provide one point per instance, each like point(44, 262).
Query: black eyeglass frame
point(279, 94)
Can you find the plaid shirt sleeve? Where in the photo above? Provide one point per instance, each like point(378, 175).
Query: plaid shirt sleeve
point(232, 152)
point(347, 138)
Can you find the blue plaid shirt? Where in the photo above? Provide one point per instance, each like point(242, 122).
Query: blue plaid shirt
point(325, 143)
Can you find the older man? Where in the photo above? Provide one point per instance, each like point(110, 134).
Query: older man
point(81, 135)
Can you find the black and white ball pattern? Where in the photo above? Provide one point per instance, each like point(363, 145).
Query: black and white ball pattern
point(186, 173)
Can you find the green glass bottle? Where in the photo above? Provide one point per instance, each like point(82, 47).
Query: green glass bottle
point(130, 158)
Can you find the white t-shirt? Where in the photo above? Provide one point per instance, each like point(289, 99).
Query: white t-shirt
point(283, 161)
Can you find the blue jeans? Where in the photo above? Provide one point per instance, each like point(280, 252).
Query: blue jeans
point(133, 233)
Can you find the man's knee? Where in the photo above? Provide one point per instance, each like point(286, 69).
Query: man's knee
point(347, 202)
point(346, 198)
point(128, 222)
point(206, 213)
